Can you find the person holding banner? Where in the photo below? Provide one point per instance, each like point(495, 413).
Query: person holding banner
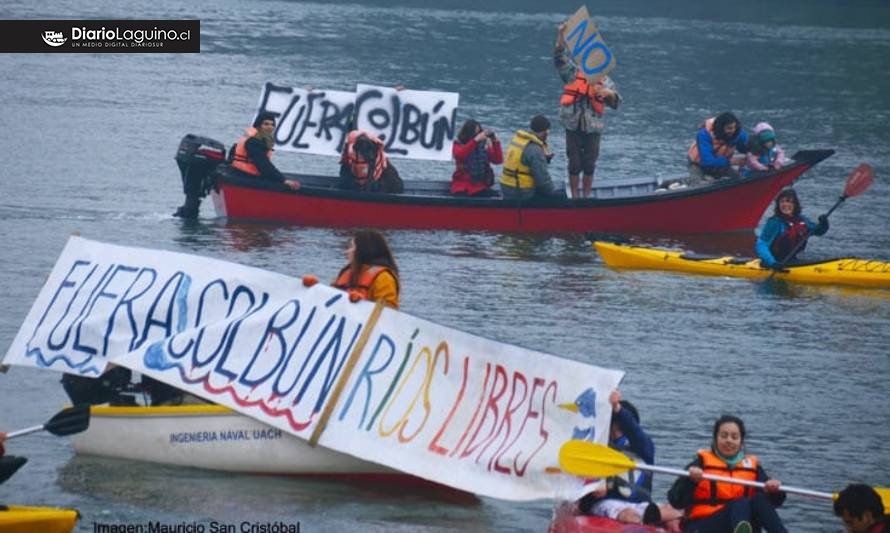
point(711, 153)
point(525, 173)
point(474, 151)
point(365, 167)
point(718, 506)
point(370, 272)
point(581, 109)
point(254, 149)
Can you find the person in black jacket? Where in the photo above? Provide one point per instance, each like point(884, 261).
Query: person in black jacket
point(254, 148)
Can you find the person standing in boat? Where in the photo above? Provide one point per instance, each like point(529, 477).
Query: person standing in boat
point(719, 507)
point(861, 509)
point(254, 149)
point(525, 173)
point(764, 154)
point(371, 272)
point(364, 166)
point(581, 109)
point(711, 153)
point(474, 151)
point(627, 498)
point(785, 230)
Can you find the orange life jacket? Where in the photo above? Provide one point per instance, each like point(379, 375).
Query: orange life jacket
point(709, 496)
point(581, 91)
point(365, 279)
point(721, 148)
point(241, 159)
point(360, 167)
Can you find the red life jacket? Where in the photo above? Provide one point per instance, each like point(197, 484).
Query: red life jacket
point(365, 279)
point(359, 167)
point(709, 496)
point(241, 159)
point(721, 148)
point(581, 91)
point(795, 232)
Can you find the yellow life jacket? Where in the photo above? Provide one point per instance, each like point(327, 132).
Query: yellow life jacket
point(366, 278)
point(515, 173)
point(241, 159)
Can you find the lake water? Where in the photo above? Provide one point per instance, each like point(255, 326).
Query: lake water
point(90, 140)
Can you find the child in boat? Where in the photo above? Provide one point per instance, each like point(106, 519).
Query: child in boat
point(763, 152)
point(627, 498)
point(717, 506)
point(781, 237)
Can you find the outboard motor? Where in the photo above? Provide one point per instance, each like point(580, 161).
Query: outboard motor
point(196, 158)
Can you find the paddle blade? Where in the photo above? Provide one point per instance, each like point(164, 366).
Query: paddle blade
point(859, 180)
point(589, 459)
point(69, 421)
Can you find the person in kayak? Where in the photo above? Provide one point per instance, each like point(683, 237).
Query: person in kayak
point(525, 173)
point(364, 166)
point(711, 153)
point(581, 109)
point(371, 272)
point(861, 509)
point(627, 498)
point(253, 151)
point(783, 232)
point(474, 151)
point(764, 153)
point(718, 507)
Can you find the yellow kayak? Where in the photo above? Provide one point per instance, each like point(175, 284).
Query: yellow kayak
point(22, 519)
point(846, 271)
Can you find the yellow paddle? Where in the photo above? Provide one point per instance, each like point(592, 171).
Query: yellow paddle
point(589, 459)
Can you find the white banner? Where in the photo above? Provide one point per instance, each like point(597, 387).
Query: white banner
point(476, 414)
point(312, 122)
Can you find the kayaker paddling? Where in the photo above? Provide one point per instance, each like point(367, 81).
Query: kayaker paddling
point(784, 234)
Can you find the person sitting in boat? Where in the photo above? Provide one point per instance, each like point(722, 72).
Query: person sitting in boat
point(786, 231)
point(254, 149)
point(763, 152)
point(364, 166)
point(525, 173)
point(627, 498)
point(370, 272)
point(711, 153)
point(718, 506)
point(474, 151)
point(861, 509)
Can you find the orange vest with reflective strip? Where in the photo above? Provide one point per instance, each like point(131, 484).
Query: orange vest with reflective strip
point(721, 148)
point(709, 496)
point(241, 159)
point(581, 90)
point(365, 279)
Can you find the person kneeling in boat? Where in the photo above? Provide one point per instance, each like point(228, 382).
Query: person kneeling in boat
point(254, 149)
point(364, 166)
point(861, 509)
point(711, 153)
point(370, 272)
point(718, 506)
point(784, 234)
point(525, 173)
point(474, 151)
point(627, 498)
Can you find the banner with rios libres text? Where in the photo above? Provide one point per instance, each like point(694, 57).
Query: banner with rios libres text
point(473, 413)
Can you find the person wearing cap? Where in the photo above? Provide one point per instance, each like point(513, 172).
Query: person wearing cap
point(627, 497)
point(254, 149)
point(763, 152)
point(525, 173)
point(581, 110)
point(711, 153)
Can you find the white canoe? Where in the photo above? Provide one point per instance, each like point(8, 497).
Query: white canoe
point(212, 437)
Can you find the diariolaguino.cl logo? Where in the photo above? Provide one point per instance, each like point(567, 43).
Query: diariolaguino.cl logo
point(125, 38)
point(54, 38)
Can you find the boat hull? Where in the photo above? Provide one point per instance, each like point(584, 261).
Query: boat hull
point(216, 438)
point(25, 519)
point(724, 206)
point(846, 271)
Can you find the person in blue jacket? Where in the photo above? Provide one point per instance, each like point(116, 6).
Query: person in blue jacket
point(711, 153)
point(785, 230)
point(627, 498)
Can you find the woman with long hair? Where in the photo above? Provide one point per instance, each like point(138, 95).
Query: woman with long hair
point(474, 151)
point(371, 272)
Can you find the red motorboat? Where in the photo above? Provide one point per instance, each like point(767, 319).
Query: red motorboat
point(630, 205)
